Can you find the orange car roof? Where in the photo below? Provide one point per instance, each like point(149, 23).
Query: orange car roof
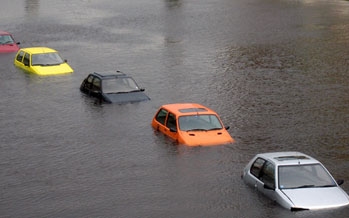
point(188, 108)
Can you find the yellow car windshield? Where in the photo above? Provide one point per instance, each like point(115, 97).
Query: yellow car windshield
point(46, 59)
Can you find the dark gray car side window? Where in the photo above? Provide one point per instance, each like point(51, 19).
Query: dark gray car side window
point(96, 84)
point(89, 79)
point(88, 83)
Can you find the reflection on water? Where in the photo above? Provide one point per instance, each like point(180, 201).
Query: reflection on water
point(173, 3)
point(32, 7)
point(174, 21)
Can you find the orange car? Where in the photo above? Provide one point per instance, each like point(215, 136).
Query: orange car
point(191, 124)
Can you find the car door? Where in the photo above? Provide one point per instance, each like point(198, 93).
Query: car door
point(165, 123)
point(87, 84)
point(171, 126)
point(96, 87)
point(19, 59)
point(263, 173)
point(19, 56)
point(267, 178)
point(255, 172)
point(159, 120)
point(26, 63)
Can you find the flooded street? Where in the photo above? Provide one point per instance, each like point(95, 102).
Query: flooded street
point(275, 70)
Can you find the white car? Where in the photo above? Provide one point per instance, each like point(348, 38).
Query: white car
point(294, 180)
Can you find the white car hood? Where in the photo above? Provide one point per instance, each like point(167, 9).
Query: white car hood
point(317, 198)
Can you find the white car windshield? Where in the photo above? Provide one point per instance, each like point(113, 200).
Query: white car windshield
point(199, 122)
point(46, 59)
point(119, 85)
point(304, 176)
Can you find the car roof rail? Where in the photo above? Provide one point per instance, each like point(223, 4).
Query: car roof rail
point(110, 73)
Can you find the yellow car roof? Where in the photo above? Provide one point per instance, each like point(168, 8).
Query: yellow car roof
point(38, 50)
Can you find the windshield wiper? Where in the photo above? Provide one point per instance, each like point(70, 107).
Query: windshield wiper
point(304, 186)
point(123, 92)
point(324, 186)
point(45, 65)
point(196, 130)
point(116, 92)
point(216, 128)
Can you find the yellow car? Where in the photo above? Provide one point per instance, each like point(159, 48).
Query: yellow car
point(191, 124)
point(42, 61)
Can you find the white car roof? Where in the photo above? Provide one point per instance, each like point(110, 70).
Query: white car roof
point(288, 158)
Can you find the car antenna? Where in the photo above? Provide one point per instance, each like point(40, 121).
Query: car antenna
point(197, 112)
point(298, 157)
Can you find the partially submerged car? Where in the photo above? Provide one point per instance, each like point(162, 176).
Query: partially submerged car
point(113, 87)
point(42, 61)
point(8, 43)
point(191, 124)
point(294, 180)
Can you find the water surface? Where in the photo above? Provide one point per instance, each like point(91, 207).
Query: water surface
point(276, 72)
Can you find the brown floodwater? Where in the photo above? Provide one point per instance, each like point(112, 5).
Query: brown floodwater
point(276, 72)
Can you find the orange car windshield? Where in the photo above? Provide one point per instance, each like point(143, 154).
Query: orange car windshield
point(199, 122)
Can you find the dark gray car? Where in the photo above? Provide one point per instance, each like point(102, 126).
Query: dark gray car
point(113, 87)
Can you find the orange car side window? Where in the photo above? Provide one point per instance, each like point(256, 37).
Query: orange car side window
point(161, 116)
point(171, 121)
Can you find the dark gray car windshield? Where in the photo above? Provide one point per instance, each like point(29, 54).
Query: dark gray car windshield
point(199, 122)
point(304, 176)
point(119, 85)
